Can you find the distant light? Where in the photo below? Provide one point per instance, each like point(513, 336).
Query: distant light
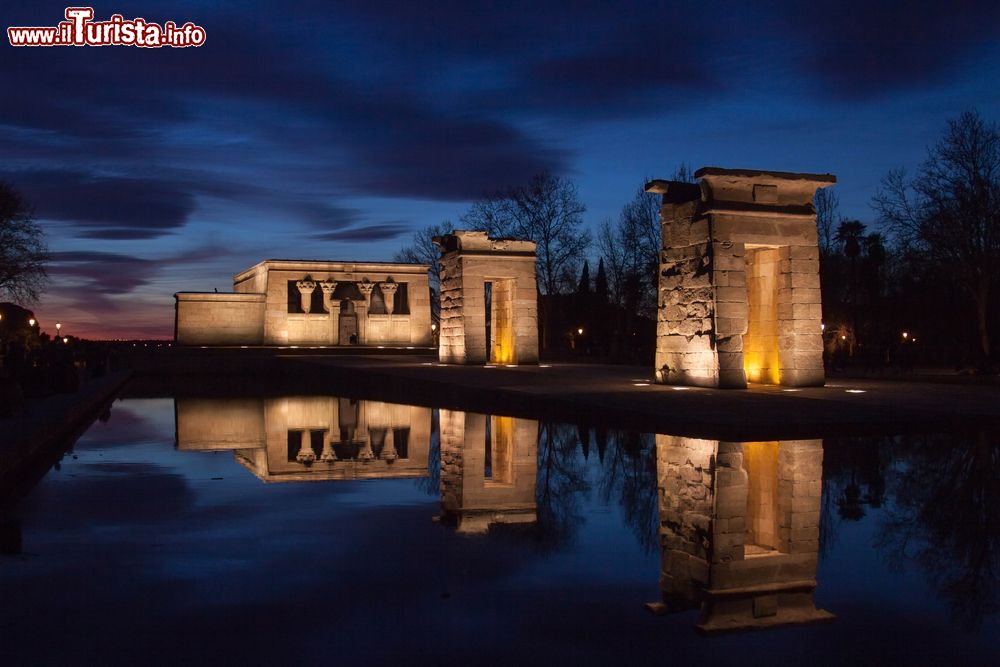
point(905, 335)
point(855, 391)
point(791, 390)
point(822, 326)
point(843, 337)
point(434, 327)
point(580, 331)
point(66, 340)
point(640, 384)
point(510, 365)
point(31, 322)
point(681, 388)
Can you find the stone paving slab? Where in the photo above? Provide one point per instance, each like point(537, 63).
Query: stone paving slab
point(623, 396)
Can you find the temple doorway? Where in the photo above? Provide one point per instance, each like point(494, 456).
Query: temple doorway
point(348, 325)
point(760, 344)
point(500, 321)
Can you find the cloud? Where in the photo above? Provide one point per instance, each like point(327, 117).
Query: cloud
point(106, 207)
point(859, 49)
point(381, 232)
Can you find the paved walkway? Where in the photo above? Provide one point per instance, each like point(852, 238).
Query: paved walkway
point(623, 396)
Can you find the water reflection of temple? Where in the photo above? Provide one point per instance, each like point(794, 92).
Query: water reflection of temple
point(488, 470)
point(739, 524)
point(310, 437)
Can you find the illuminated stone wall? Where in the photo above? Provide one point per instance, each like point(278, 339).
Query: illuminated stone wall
point(283, 302)
point(739, 525)
point(739, 280)
point(468, 261)
point(219, 319)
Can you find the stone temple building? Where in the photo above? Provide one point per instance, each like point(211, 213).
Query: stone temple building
point(739, 294)
point(293, 302)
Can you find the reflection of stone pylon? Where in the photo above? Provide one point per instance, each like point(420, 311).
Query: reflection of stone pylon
point(389, 448)
point(306, 454)
point(328, 455)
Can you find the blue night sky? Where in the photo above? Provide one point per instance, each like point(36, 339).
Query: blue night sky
point(333, 130)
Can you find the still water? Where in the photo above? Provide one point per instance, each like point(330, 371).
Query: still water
point(330, 530)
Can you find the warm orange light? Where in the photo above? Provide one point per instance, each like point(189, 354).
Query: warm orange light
point(843, 337)
point(31, 322)
point(66, 340)
point(580, 331)
point(905, 335)
point(434, 327)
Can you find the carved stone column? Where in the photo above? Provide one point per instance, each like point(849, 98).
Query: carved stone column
point(306, 454)
point(389, 447)
point(306, 288)
point(365, 287)
point(365, 452)
point(389, 294)
point(332, 307)
point(328, 455)
point(328, 286)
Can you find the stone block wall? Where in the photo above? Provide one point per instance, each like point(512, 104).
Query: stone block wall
point(205, 318)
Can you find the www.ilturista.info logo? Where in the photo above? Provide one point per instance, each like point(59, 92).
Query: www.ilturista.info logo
point(79, 29)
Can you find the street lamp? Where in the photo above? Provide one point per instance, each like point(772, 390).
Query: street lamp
point(31, 322)
point(579, 331)
point(906, 335)
point(58, 327)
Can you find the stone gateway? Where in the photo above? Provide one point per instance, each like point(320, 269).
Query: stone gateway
point(739, 297)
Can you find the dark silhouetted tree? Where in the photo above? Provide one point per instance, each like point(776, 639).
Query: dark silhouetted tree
point(584, 286)
point(948, 215)
point(423, 251)
point(23, 252)
point(548, 211)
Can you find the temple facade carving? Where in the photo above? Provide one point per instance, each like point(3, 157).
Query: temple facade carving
point(281, 302)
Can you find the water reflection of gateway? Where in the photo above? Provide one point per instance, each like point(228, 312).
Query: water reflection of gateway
point(488, 470)
point(739, 523)
point(310, 437)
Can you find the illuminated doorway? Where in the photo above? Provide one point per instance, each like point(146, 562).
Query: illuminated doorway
point(760, 344)
point(499, 308)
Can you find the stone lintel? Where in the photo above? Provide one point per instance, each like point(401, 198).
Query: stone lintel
point(758, 174)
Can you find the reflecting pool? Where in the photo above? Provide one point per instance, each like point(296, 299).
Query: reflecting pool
point(323, 529)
